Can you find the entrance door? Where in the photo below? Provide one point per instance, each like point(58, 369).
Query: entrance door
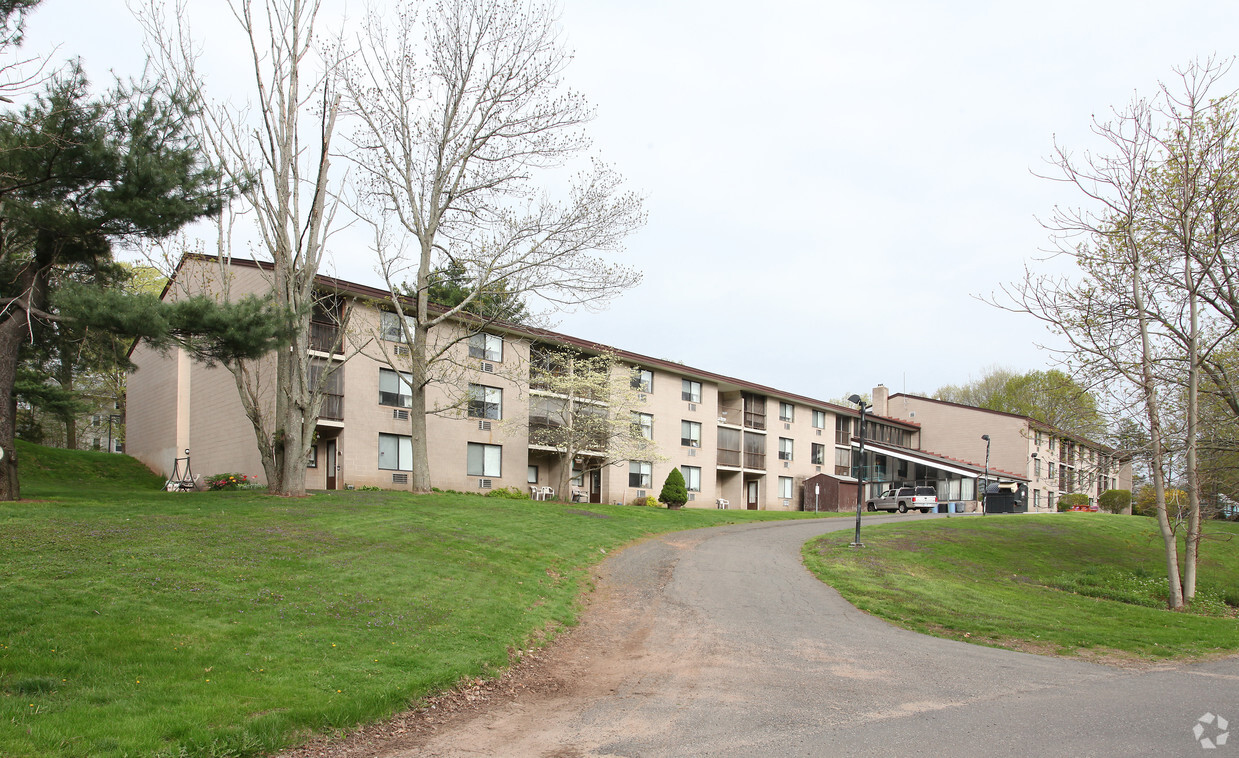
point(595, 487)
point(330, 463)
point(751, 499)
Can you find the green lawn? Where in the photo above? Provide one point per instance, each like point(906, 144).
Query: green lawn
point(139, 622)
point(1059, 583)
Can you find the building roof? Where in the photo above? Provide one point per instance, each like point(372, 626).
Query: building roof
point(355, 289)
point(943, 462)
point(1029, 419)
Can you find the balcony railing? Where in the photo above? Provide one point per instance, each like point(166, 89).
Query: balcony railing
point(728, 457)
point(325, 338)
point(333, 407)
point(755, 461)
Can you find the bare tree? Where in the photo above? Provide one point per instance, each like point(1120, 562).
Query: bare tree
point(278, 158)
point(460, 110)
point(587, 408)
point(1151, 306)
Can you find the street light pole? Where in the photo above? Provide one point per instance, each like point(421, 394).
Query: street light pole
point(860, 474)
point(985, 491)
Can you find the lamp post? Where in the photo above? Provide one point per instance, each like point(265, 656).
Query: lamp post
point(985, 490)
point(1033, 480)
point(860, 477)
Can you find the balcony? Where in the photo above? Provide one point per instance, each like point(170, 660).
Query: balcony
point(332, 408)
point(325, 338)
point(729, 458)
point(755, 461)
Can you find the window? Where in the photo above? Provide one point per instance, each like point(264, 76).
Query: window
point(1036, 467)
point(692, 477)
point(485, 402)
point(785, 449)
point(785, 487)
point(843, 461)
point(787, 412)
point(1036, 499)
point(640, 474)
point(395, 452)
point(1050, 470)
point(819, 419)
point(1037, 438)
point(1049, 500)
point(843, 430)
point(690, 434)
point(532, 477)
point(395, 388)
point(690, 391)
point(643, 425)
point(488, 347)
point(643, 380)
point(312, 461)
point(1050, 442)
point(389, 325)
point(485, 460)
point(817, 454)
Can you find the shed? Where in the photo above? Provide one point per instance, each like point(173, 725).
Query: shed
point(824, 492)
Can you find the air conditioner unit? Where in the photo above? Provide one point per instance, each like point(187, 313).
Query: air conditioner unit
point(484, 426)
point(787, 426)
point(692, 452)
point(692, 406)
point(819, 432)
point(399, 414)
point(401, 349)
point(484, 484)
point(488, 368)
point(399, 478)
point(692, 496)
point(786, 464)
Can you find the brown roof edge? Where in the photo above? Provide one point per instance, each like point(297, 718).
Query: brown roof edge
point(346, 287)
point(1029, 419)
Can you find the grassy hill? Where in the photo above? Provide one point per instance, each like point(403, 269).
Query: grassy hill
point(1071, 583)
point(141, 622)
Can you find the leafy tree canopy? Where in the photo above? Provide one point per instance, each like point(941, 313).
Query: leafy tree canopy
point(1052, 397)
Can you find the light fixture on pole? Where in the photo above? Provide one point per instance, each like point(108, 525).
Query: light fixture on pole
point(985, 488)
point(860, 474)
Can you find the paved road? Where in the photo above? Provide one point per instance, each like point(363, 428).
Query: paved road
point(718, 642)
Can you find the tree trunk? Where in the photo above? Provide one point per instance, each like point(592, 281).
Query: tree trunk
point(1192, 543)
point(11, 334)
point(1174, 597)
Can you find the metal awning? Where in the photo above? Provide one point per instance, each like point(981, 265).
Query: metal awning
point(937, 463)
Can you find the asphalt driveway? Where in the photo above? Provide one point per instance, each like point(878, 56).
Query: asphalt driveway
point(719, 643)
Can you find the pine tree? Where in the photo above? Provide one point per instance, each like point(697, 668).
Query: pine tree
point(674, 492)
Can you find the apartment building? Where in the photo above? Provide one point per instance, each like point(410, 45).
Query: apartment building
point(1053, 462)
point(738, 444)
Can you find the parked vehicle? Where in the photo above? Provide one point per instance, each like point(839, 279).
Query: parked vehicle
point(924, 499)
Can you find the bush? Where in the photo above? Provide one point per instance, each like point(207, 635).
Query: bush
point(1114, 501)
point(674, 491)
point(509, 493)
point(230, 482)
point(1066, 502)
point(644, 501)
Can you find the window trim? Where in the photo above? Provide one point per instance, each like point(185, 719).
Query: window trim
point(643, 380)
point(403, 443)
point(472, 404)
point(689, 441)
point(485, 451)
point(644, 471)
point(790, 486)
point(485, 349)
point(639, 420)
point(789, 409)
point(686, 391)
point(688, 480)
point(404, 380)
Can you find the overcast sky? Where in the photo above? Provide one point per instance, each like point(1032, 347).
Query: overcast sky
point(828, 184)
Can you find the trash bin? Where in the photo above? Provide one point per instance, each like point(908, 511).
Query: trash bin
point(944, 507)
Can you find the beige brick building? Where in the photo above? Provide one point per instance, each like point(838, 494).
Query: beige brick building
point(738, 444)
point(1053, 462)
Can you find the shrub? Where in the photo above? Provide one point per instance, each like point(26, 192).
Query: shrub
point(1114, 501)
point(674, 491)
point(644, 501)
point(230, 482)
point(1066, 502)
point(509, 493)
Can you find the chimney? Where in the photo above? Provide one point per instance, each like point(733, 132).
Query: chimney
point(880, 396)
